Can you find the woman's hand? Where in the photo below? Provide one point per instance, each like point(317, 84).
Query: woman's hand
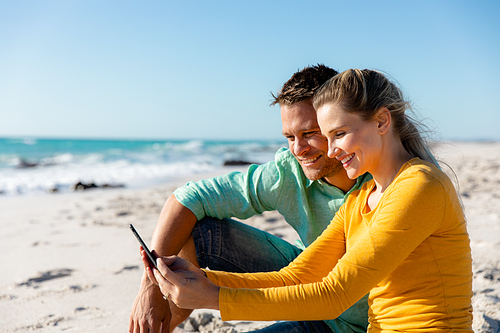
point(183, 283)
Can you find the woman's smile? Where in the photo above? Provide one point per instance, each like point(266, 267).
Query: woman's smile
point(346, 160)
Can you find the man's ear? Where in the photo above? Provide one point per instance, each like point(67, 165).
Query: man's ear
point(383, 119)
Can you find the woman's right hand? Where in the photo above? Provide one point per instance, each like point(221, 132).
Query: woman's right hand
point(183, 283)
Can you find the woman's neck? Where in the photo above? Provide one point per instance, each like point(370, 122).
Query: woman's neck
point(387, 169)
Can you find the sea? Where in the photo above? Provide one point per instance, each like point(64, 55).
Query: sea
point(41, 166)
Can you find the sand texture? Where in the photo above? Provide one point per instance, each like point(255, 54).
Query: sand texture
point(70, 263)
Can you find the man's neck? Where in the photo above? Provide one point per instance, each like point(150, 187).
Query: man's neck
point(342, 182)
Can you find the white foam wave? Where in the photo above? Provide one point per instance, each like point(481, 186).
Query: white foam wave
point(48, 165)
point(45, 179)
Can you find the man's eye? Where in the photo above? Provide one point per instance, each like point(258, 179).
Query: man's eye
point(309, 134)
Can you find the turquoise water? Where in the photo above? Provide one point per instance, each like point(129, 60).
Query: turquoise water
point(39, 166)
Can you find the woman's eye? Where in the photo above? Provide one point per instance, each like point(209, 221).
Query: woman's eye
point(339, 134)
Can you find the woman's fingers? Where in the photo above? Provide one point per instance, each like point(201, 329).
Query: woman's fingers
point(187, 289)
point(166, 287)
point(172, 277)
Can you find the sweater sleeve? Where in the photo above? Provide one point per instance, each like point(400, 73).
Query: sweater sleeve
point(319, 286)
point(330, 244)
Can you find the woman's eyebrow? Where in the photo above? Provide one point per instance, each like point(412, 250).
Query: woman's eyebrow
point(335, 129)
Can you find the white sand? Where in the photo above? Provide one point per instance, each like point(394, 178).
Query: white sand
point(71, 264)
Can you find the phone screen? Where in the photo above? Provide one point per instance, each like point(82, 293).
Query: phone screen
point(151, 257)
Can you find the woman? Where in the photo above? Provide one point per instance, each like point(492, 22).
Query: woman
point(402, 237)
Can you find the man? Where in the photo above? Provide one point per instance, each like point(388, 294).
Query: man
point(302, 183)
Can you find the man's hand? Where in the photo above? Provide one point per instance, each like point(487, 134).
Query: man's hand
point(150, 312)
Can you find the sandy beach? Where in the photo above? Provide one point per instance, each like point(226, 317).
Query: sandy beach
point(70, 262)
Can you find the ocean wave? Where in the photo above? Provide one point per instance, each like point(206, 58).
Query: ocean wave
point(36, 166)
point(61, 178)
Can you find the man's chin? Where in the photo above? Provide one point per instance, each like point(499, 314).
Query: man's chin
point(312, 174)
point(315, 173)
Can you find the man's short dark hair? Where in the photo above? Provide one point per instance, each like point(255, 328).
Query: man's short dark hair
point(303, 84)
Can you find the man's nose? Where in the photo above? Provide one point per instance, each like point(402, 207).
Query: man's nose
point(301, 146)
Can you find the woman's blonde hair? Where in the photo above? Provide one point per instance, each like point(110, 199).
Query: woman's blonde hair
point(365, 92)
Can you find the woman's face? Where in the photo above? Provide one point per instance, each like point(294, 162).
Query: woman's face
point(352, 140)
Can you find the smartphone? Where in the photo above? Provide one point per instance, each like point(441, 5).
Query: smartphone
point(151, 257)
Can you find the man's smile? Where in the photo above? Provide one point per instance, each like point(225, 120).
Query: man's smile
point(311, 160)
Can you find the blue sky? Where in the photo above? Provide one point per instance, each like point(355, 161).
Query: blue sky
point(205, 69)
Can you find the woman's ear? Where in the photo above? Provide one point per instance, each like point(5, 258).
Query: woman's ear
point(383, 119)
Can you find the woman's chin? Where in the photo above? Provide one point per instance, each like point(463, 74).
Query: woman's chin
point(352, 173)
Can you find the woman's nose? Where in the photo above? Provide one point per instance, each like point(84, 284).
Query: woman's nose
point(333, 151)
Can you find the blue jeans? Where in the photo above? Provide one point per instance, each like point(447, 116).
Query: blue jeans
point(231, 246)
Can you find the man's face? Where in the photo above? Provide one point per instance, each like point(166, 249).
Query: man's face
point(306, 142)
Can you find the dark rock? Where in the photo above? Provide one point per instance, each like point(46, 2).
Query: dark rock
point(233, 162)
point(81, 186)
point(112, 186)
point(204, 318)
point(23, 164)
point(190, 325)
point(86, 186)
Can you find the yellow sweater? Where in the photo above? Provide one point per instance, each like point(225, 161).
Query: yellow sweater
point(411, 253)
